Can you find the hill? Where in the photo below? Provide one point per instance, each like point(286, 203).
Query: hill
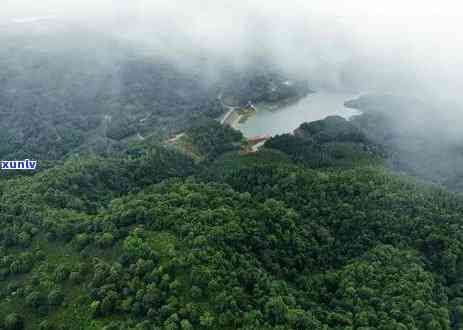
point(149, 239)
point(420, 138)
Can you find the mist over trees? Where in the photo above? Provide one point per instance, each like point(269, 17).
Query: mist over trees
point(147, 213)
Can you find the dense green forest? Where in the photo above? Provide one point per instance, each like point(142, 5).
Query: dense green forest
point(333, 141)
point(120, 230)
point(60, 100)
point(147, 238)
point(262, 83)
point(56, 100)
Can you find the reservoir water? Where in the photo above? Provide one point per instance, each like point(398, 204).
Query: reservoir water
point(313, 107)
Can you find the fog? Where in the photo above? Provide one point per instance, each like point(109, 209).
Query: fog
point(86, 59)
point(391, 46)
point(410, 48)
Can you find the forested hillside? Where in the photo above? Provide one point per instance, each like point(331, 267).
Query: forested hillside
point(231, 165)
point(147, 238)
point(146, 213)
point(333, 141)
point(56, 99)
point(97, 93)
point(421, 138)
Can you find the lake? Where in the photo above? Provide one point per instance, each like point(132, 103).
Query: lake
point(312, 107)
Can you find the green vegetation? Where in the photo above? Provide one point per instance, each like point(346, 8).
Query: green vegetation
point(147, 239)
point(332, 142)
point(118, 230)
point(66, 99)
point(208, 140)
point(59, 100)
point(213, 139)
point(262, 83)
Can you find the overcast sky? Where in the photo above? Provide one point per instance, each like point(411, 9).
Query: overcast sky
point(403, 42)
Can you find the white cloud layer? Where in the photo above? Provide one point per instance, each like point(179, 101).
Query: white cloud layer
point(388, 45)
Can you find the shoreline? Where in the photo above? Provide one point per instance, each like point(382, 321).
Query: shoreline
point(234, 118)
point(315, 106)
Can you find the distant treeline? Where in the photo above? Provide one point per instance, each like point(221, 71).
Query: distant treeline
point(56, 101)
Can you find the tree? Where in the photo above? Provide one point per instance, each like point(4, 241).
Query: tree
point(207, 320)
point(45, 325)
point(106, 240)
point(13, 322)
point(276, 310)
point(55, 297)
point(95, 308)
point(61, 273)
point(34, 299)
point(186, 325)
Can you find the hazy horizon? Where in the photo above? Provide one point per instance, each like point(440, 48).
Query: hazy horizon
point(382, 47)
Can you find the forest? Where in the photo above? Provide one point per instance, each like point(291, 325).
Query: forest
point(327, 228)
point(148, 238)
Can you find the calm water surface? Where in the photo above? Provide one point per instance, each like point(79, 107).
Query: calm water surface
point(313, 107)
